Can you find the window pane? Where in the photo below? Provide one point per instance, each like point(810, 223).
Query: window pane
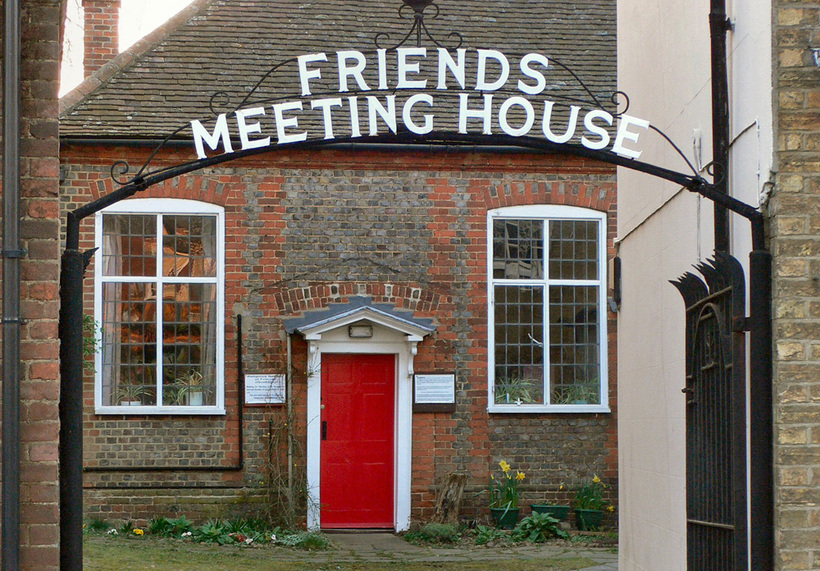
point(189, 344)
point(129, 344)
point(574, 347)
point(518, 249)
point(519, 345)
point(574, 250)
point(189, 246)
point(129, 245)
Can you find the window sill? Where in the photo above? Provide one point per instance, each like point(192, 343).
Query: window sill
point(551, 409)
point(160, 410)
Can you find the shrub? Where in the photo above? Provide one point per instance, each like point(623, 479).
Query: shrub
point(485, 535)
point(304, 540)
point(434, 533)
point(538, 528)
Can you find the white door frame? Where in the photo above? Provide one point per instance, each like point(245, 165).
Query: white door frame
point(387, 339)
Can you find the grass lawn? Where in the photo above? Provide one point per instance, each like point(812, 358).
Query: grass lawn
point(102, 553)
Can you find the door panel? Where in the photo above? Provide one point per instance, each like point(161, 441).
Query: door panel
point(357, 452)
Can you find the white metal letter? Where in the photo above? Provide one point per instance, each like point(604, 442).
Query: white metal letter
point(325, 105)
point(540, 80)
point(354, 71)
point(220, 132)
point(305, 74)
point(374, 106)
point(407, 114)
point(355, 131)
point(445, 62)
point(404, 67)
point(591, 127)
point(573, 122)
point(245, 129)
point(624, 134)
point(464, 113)
point(283, 122)
point(481, 83)
point(528, 122)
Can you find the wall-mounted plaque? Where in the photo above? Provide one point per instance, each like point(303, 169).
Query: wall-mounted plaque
point(264, 389)
point(434, 392)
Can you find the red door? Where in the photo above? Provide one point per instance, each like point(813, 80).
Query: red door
point(358, 396)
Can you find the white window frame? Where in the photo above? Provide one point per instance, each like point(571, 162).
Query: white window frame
point(549, 213)
point(166, 206)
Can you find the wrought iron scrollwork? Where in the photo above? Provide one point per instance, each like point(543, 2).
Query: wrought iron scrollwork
point(419, 26)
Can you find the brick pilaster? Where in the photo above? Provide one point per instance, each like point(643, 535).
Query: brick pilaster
point(39, 233)
point(796, 245)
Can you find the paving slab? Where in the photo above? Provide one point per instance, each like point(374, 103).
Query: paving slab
point(389, 548)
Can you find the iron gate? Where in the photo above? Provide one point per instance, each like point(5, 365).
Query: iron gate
point(715, 415)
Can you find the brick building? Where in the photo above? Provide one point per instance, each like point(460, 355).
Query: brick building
point(294, 271)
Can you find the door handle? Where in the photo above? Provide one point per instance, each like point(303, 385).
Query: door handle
point(324, 430)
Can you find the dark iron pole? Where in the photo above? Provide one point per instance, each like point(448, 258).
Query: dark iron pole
point(761, 413)
point(718, 26)
point(71, 411)
point(11, 286)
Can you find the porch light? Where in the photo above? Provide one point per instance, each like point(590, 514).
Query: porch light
point(360, 331)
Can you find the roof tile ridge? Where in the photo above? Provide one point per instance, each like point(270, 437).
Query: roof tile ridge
point(127, 57)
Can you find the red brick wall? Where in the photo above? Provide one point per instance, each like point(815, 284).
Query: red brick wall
point(39, 230)
point(101, 29)
point(287, 214)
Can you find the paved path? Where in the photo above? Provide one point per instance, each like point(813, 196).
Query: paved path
point(387, 548)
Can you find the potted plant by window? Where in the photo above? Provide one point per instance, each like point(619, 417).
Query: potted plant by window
point(129, 394)
point(558, 511)
point(590, 504)
point(504, 496)
point(188, 389)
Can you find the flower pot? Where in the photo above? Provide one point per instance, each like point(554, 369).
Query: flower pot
point(589, 520)
point(558, 512)
point(504, 518)
point(195, 398)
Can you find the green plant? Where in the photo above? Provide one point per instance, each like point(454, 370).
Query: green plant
point(180, 525)
point(577, 393)
point(515, 390)
point(433, 533)
point(590, 495)
point(539, 528)
point(98, 524)
point(127, 527)
point(132, 393)
point(485, 534)
point(213, 531)
point(183, 389)
point(307, 540)
point(504, 492)
point(159, 526)
point(91, 341)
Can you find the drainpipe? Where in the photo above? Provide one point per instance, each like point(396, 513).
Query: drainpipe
point(12, 253)
point(718, 26)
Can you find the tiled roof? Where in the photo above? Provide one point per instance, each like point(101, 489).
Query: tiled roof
point(337, 311)
point(168, 78)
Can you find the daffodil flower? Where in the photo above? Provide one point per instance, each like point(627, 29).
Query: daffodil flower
point(504, 466)
point(596, 479)
point(519, 475)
